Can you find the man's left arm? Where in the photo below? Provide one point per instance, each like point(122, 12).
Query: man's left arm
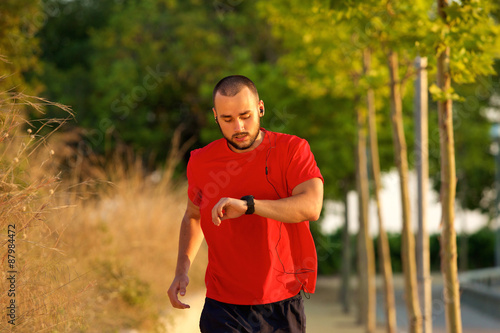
point(304, 204)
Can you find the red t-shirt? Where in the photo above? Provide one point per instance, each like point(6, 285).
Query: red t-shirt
point(252, 259)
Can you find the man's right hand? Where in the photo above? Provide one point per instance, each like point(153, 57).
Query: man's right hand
point(177, 287)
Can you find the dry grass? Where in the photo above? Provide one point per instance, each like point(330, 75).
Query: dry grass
point(126, 238)
point(92, 255)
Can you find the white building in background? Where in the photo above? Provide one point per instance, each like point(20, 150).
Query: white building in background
point(470, 221)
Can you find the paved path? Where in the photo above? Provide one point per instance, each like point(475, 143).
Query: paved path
point(472, 319)
point(324, 312)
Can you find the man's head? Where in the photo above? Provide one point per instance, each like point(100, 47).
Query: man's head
point(231, 85)
point(237, 111)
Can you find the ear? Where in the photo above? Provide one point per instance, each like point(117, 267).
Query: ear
point(215, 113)
point(262, 110)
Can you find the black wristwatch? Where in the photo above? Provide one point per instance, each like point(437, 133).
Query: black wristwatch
point(250, 204)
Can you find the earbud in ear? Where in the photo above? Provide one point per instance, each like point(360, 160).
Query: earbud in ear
point(261, 111)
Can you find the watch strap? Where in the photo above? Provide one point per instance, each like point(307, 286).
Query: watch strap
point(250, 204)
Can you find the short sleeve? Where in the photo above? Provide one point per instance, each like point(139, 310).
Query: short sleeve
point(194, 191)
point(302, 165)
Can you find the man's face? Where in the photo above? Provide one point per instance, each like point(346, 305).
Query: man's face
point(238, 118)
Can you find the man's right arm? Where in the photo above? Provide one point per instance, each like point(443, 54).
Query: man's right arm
point(190, 239)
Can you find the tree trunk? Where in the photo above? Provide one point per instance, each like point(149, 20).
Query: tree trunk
point(448, 188)
point(366, 262)
point(383, 242)
point(464, 239)
point(361, 258)
point(408, 241)
point(422, 166)
point(346, 259)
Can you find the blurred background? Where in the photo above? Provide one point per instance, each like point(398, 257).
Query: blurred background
point(103, 100)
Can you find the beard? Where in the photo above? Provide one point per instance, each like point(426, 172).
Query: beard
point(242, 145)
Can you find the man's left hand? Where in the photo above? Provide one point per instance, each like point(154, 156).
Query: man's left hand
point(228, 208)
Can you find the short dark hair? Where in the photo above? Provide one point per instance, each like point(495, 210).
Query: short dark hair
point(232, 85)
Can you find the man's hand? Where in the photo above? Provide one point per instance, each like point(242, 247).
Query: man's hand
point(178, 286)
point(228, 208)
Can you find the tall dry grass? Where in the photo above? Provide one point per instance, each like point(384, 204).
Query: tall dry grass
point(28, 254)
point(126, 235)
point(92, 254)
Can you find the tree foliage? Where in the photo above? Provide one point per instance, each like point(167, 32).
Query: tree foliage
point(19, 22)
point(135, 70)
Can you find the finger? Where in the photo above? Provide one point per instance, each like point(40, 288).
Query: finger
point(182, 292)
point(174, 300)
point(182, 288)
point(224, 215)
point(172, 296)
point(214, 213)
point(184, 306)
point(215, 218)
point(217, 212)
point(179, 305)
point(221, 211)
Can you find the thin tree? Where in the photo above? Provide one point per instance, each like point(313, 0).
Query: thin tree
point(383, 243)
point(346, 258)
point(401, 159)
point(422, 166)
point(366, 262)
point(448, 188)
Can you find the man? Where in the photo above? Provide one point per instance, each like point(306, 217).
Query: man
point(251, 195)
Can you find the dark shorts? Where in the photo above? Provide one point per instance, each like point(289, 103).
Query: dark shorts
point(283, 316)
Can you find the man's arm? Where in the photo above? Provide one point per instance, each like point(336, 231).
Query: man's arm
point(304, 205)
point(190, 239)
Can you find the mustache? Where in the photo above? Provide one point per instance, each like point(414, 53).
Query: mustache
point(240, 134)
